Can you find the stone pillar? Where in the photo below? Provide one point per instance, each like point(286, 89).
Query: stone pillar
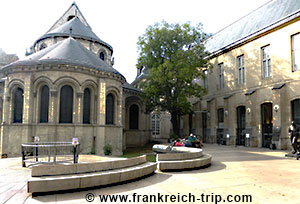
point(276, 117)
point(100, 132)
point(5, 122)
point(27, 133)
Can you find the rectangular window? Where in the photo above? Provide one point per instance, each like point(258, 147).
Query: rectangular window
point(205, 85)
point(241, 69)
point(296, 52)
point(266, 61)
point(221, 75)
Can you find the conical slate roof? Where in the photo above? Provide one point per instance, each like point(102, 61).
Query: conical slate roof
point(68, 51)
point(75, 28)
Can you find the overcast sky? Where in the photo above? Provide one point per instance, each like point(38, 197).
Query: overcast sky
point(117, 22)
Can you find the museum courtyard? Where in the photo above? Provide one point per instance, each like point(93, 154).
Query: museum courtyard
point(236, 175)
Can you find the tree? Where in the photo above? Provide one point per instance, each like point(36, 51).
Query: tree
point(175, 55)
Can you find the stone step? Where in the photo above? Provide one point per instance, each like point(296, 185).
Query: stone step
point(85, 180)
point(61, 169)
point(204, 160)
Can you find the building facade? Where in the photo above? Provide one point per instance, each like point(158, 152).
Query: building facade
point(253, 88)
point(67, 87)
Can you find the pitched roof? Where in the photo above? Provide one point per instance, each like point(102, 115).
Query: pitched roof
point(68, 51)
point(266, 17)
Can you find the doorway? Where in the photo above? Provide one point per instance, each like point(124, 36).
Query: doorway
point(241, 125)
point(267, 124)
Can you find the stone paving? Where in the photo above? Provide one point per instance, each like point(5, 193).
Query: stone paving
point(265, 174)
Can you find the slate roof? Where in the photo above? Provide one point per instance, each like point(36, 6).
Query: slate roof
point(68, 51)
point(74, 28)
point(130, 87)
point(141, 76)
point(266, 17)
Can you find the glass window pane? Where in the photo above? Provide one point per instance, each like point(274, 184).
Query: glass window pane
point(44, 104)
point(86, 106)
point(66, 104)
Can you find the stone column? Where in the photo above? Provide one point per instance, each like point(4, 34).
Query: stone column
point(100, 130)
point(5, 121)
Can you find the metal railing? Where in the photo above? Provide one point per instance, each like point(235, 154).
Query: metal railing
point(49, 152)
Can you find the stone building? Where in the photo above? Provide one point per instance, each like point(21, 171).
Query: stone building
point(253, 88)
point(160, 121)
point(67, 87)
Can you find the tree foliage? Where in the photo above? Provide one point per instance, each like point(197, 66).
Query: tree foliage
point(175, 55)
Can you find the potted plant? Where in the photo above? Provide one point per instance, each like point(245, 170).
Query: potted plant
point(107, 149)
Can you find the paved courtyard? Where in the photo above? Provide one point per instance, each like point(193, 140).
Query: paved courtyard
point(266, 175)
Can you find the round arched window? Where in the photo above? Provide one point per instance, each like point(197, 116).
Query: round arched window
point(102, 55)
point(43, 46)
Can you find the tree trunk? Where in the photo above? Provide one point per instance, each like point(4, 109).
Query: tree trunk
point(176, 124)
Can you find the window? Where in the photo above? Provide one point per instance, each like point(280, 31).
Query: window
point(44, 104)
point(110, 107)
point(43, 46)
point(296, 111)
point(102, 56)
point(18, 105)
point(221, 75)
point(134, 117)
point(241, 69)
point(86, 106)
point(66, 104)
point(296, 52)
point(205, 84)
point(266, 62)
point(220, 117)
point(155, 125)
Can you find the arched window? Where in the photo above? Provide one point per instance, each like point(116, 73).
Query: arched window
point(86, 106)
point(134, 117)
point(44, 104)
point(102, 55)
point(109, 110)
point(18, 105)
point(43, 46)
point(66, 105)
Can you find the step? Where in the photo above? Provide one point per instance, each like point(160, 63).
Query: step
point(204, 160)
point(85, 180)
point(65, 169)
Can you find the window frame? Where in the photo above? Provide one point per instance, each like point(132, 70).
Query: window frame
point(109, 121)
point(266, 71)
point(221, 75)
point(241, 69)
point(46, 119)
point(293, 52)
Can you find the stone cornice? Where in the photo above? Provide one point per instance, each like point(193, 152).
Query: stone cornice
point(63, 67)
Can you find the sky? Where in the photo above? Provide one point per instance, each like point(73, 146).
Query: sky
point(117, 22)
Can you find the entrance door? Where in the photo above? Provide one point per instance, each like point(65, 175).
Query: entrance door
point(241, 125)
point(204, 126)
point(267, 124)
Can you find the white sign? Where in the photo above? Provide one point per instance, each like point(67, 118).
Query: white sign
point(228, 136)
point(247, 135)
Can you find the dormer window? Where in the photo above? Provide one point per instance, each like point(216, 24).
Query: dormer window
point(43, 46)
point(70, 17)
point(102, 55)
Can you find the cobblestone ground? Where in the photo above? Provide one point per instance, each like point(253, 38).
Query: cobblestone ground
point(266, 175)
